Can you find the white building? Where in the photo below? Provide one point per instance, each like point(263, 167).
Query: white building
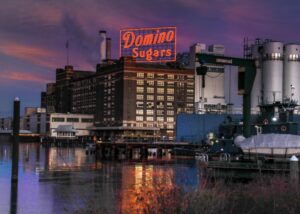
point(210, 98)
point(70, 125)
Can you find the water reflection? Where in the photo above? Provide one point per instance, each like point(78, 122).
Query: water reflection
point(64, 180)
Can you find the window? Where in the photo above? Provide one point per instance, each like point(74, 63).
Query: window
point(190, 76)
point(150, 75)
point(140, 75)
point(139, 125)
point(190, 84)
point(139, 118)
point(150, 105)
point(149, 118)
point(160, 76)
point(140, 82)
point(160, 112)
point(190, 91)
point(160, 119)
point(169, 112)
point(160, 90)
point(170, 91)
point(139, 97)
point(160, 83)
point(140, 111)
point(190, 99)
point(140, 89)
point(170, 76)
point(150, 90)
point(170, 98)
point(150, 97)
point(170, 119)
point(73, 119)
point(190, 105)
point(160, 97)
point(58, 119)
point(170, 83)
point(170, 126)
point(139, 104)
point(87, 120)
point(149, 112)
point(150, 83)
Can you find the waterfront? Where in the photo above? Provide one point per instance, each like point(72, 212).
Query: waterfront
point(65, 180)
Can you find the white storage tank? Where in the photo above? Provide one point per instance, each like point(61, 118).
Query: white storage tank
point(256, 93)
point(272, 72)
point(291, 74)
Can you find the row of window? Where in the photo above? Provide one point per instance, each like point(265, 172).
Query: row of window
point(151, 90)
point(151, 112)
point(162, 83)
point(72, 119)
point(162, 76)
point(151, 97)
point(149, 118)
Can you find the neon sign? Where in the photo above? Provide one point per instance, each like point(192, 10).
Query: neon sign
point(149, 44)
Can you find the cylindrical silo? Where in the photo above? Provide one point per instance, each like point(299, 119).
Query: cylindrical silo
point(272, 72)
point(256, 94)
point(291, 73)
point(102, 34)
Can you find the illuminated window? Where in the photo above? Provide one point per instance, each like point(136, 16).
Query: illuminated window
point(139, 125)
point(161, 125)
point(190, 99)
point(170, 83)
point(169, 104)
point(169, 112)
point(160, 90)
point(160, 76)
point(140, 82)
point(170, 119)
point(160, 119)
point(149, 112)
point(150, 75)
point(170, 91)
point(140, 111)
point(190, 105)
point(140, 89)
point(160, 83)
point(150, 90)
point(190, 84)
point(160, 97)
point(139, 97)
point(170, 76)
point(190, 91)
point(170, 98)
point(150, 97)
point(170, 126)
point(140, 75)
point(190, 76)
point(150, 83)
point(160, 112)
point(139, 118)
point(150, 105)
point(139, 104)
point(149, 118)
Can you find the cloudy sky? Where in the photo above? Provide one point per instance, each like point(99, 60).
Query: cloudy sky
point(33, 33)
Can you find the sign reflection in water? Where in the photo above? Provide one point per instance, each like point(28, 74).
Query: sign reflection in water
point(56, 179)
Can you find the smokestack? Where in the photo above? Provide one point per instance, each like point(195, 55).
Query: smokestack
point(102, 34)
point(108, 48)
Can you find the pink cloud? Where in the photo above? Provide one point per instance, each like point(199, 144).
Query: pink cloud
point(23, 76)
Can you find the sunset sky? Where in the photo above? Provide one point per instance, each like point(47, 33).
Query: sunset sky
point(33, 33)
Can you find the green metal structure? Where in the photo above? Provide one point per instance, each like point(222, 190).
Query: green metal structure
point(247, 72)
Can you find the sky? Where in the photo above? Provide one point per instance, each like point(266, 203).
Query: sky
point(33, 33)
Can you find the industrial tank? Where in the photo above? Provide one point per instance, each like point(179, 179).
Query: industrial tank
point(291, 74)
point(256, 95)
point(272, 72)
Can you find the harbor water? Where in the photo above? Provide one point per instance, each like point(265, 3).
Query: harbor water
point(66, 180)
